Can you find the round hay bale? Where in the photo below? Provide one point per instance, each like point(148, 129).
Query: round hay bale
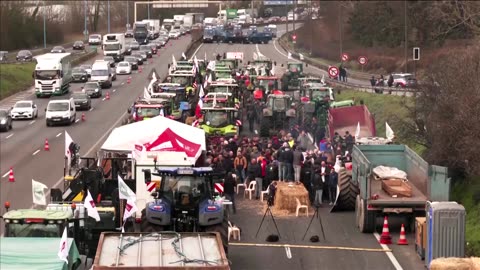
point(452, 264)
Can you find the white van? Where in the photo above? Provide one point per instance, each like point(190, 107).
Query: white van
point(103, 74)
point(60, 111)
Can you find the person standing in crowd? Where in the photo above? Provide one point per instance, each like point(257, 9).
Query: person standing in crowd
point(240, 164)
point(390, 81)
point(251, 118)
point(229, 191)
point(281, 163)
point(332, 186)
point(288, 159)
point(317, 184)
point(349, 141)
point(254, 172)
point(297, 162)
point(303, 140)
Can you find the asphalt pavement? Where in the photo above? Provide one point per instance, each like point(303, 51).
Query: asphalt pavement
point(22, 148)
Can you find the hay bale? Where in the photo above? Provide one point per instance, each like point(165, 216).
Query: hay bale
point(286, 194)
point(455, 264)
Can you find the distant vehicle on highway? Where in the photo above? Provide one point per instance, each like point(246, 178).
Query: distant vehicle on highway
point(124, 68)
point(142, 54)
point(95, 39)
point(24, 55)
point(82, 101)
point(133, 62)
point(134, 45)
point(60, 111)
point(157, 43)
point(129, 33)
point(52, 74)
point(404, 80)
point(79, 74)
point(163, 40)
point(139, 58)
point(153, 48)
point(128, 49)
point(3, 56)
point(24, 109)
point(92, 89)
point(87, 68)
point(175, 34)
point(110, 60)
point(58, 49)
point(78, 45)
point(103, 73)
point(5, 120)
point(147, 50)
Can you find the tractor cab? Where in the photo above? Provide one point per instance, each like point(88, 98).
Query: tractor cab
point(265, 85)
point(172, 89)
point(316, 93)
point(306, 80)
point(214, 99)
point(145, 109)
point(220, 121)
point(182, 77)
point(224, 87)
point(223, 73)
point(233, 59)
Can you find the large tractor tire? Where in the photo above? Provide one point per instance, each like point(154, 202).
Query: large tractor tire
point(221, 228)
point(365, 219)
point(348, 192)
point(146, 226)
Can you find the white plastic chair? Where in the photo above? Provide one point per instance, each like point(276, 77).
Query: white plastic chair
point(251, 188)
point(301, 206)
point(240, 185)
point(233, 231)
point(264, 192)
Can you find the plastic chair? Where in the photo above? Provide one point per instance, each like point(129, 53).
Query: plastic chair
point(240, 185)
point(233, 231)
point(251, 188)
point(301, 206)
point(264, 192)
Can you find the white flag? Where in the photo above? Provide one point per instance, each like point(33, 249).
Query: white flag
point(200, 103)
point(130, 208)
point(184, 56)
point(301, 56)
point(389, 132)
point(38, 192)
point(161, 112)
point(174, 62)
point(255, 56)
point(125, 193)
point(211, 65)
point(205, 57)
point(146, 94)
point(89, 203)
point(289, 55)
point(357, 131)
point(63, 248)
point(323, 79)
point(68, 141)
point(201, 93)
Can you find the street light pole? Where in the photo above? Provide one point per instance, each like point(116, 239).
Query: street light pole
point(44, 26)
point(128, 15)
point(85, 32)
point(108, 16)
point(406, 41)
point(148, 10)
point(341, 28)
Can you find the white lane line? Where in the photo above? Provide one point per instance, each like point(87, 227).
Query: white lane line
point(103, 99)
point(36, 152)
point(59, 134)
point(90, 109)
point(114, 90)
point(201, 44)
point(31, 122)
point(78, 120)
point(9, 136)
point(122, 83)
point(390, 255)
point(5, 175)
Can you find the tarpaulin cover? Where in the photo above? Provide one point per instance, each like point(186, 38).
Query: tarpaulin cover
point(169, 141)
point(385, 172)
point(35, 254)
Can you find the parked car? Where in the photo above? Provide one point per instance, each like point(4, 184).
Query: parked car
point(133, 61)
point(79, 74)
point(95, 39)
point(88, 69)
point(403, 80)
point(5, 120)
point(58, 49)
point(24, 55)
point(82, 101)
point(24, 109)
point(110, 60)
point(78, 45)
point(129, 33)
point(92, 89)
point(124, 67)
point(147, 50)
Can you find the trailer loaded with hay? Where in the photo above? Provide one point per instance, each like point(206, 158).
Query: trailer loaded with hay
point(393, 179)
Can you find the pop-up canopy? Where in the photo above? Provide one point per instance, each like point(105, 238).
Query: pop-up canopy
point(157, 134)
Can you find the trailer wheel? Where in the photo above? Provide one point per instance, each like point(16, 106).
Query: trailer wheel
point(348, 192)
point(146, 226)
point(221, 228)
point(366, 218)
point(357, 211)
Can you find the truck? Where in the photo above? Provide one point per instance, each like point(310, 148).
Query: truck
point(188, 22)
point(52, 74)
point(231, 13)
point(114, 45)
point(167, 24)
point(153, 27)
point(344, 119)
point(178, 19)
point(172, 251)
point(140, 32)
point(426, 183)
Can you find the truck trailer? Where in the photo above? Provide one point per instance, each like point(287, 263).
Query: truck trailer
point(140, 32)
point(153, 27)
point(52, 74)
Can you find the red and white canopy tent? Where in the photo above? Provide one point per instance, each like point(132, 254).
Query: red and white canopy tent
point(170, 141)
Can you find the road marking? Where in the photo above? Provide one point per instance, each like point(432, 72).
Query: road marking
point(31, 122)
point(59, 134)
point(122, 83)
point(6, 174)
point(36, 152)
point(311, 247)
point(389, 253)
point(103, 99)
point(114, 90)
point(201, 44)
point(9, 136)
point(288, 251)
point(90, 109)
point(76, 121)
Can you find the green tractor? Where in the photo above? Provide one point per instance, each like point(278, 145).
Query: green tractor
point(275, 114)
point(291, 78)
point(220, 121)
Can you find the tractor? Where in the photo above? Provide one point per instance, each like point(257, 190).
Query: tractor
point(220, 121)
point(265, 85)
point(275, 113)
point(291, 78)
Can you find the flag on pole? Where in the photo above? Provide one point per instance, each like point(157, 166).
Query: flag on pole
point(63, 247)
point(162, 113)
point(198, 109)
point(89, 203)
point(174, 62)
point(389, 132)
point(130, 208)
point(289, 55)
point(255, 56)
point(184, 56)
point(68, 154)
point(125, 193)
point(323, 79)
point(38, 193)
point(201, 93)
point(146, 94)
point(301, 56)
point(211, 65)
point(357, 131)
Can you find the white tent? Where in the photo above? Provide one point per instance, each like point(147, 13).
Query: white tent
point(124, 138)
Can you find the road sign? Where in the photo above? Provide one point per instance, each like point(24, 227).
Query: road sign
point(333, 72)
point(362, 60)
point(345, 57)
point(218, 187)
point(416, 53)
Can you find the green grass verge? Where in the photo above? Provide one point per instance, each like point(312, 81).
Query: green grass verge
point(464, 193)
point(15, 78)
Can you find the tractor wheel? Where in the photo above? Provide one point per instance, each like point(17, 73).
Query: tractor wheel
point(265, 127)
point(221, 228)
point(348, 192)
point(146, 226)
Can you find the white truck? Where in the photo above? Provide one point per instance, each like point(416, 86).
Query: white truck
point(153, 28)
point(168, 24)
point(52, 74)
point(114, 45)
point(178, 19)
point(188, 22)
point(102, 73)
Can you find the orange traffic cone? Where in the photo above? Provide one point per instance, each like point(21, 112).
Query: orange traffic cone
point(129, 79)
point(46, 147)
point(83, 117)
point(11, 178)
point(107, 97)
point(385, 238)
point(403, 238)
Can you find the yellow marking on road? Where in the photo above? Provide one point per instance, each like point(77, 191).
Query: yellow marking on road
point(310, 247)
